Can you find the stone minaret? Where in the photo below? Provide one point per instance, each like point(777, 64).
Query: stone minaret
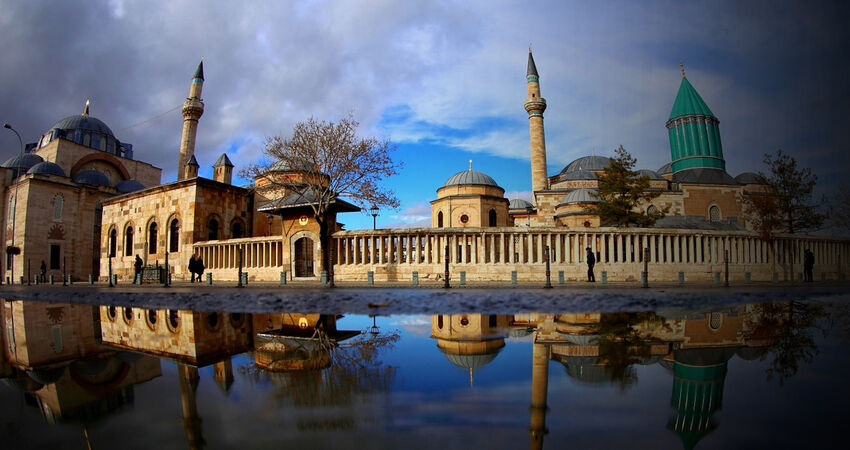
point(193, 109)
point(223, 169)
point(535, 105)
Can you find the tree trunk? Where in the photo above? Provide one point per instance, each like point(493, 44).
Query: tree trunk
point(324, 249)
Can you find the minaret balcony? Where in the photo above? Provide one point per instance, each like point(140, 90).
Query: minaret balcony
point(535, 104)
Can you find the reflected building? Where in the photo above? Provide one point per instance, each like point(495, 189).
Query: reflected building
point(470, 341)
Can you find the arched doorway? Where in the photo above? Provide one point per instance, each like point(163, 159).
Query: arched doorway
point(303, 257)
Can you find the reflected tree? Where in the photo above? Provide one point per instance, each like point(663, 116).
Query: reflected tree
point(624, 341)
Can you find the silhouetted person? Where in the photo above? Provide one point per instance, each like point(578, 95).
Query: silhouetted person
point(137, 266)
point(808, 265)
point(43, 271)
point(193, 267)
point(591, 261)
point(199, 267)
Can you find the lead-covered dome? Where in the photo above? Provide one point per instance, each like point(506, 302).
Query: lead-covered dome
point(590, 163)
point(578, 196)
point(748, 178)
point(577, 175)
point(651, 174)
point(85, 123)
point(519, 203)
point(127, 186)
point(470, 177)
point(23, 161)
point(46, 168)
point(92, 177)
point(665, 169)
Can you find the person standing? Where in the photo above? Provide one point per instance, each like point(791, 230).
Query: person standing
point(199, 267)
point(808, 265)
point(43, 271)
point(137, 266)
point(591, 261)
point(193, 264)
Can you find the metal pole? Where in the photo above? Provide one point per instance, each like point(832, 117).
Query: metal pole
point(29, 272)
point(374, 217)
point(165, 281)
point(110, 272)
point(14, 204)
point(646, 267)
point(726, 267)
point(446, 284)
point(331, 269)
point(548, 273)
point(64, 271)
point(239, 283)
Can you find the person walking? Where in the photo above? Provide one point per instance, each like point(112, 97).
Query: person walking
point(199, 267)
point(137, 266)
point(808, 265)
point(43, 273)
point(193, 263)
point(591, 261)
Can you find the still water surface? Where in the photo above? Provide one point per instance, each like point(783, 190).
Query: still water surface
point(771, 375)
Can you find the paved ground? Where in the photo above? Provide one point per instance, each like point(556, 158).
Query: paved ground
point(401, 298)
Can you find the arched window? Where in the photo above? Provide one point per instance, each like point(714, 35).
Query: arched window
point(440, 219)
point(128, 241)
point(174, 236)
point(236, 230)
point(113, 242)
point(492, 217)
point(213, 227)
point(57, 207)
point(152, 239)
point(714, 213)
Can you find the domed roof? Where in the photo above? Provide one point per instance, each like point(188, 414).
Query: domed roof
point(92, 177)
point(580, 174)
point(46, 376)
point(585, 369)
point(519, 203)
point(588, 163)
point(83, 122)
point(665, 169)
point(748, 178)
point(286, 166)
point(581, 195)
point(471, 361)
point(23, 161)
point(650, 173)
point(46, 168)
point(127, 186)
point(470, 177)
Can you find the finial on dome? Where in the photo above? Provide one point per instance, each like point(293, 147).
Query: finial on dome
point(470, 165)
point(682, 66)
point(86, 109)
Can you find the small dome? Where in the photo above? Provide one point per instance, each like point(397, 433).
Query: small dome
point(81, 122)
point(581, 195)
point(470, 177)
point(519, 203)
point(23, 161)
point(651, 174)
point(285, 166)
point(92, 177)
point(748, 178)
point(471, 361)
point(588, 163)
point(46, 168)
point(127, 186)
point(665, 169)
point(580, 174)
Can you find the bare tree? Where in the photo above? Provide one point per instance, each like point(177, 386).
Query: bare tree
point(332, 162)
point(792, 189)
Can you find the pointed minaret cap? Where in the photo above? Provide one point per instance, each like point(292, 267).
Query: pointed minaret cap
point(193, 162)
point(532, 69)
point(86, 109)
point(199, 73)
point(223, 160)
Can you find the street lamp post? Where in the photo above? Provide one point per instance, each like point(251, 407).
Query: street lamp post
point(374, 212)
point(14, 206)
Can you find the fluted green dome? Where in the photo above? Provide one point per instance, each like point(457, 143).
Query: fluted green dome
point(694, 132)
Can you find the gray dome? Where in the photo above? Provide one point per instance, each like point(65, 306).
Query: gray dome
point(588, 163)
point(127, 186)
point(46, 168)
point(580, 174)
point(92, 177)
point(81, 122)
point(581, 195)
point(585, 369)
point(470, 177)
point(748, 178)
point(665, 169)
point(651, 174)
point(286, 166)
point(46, 376)
point(23, 161)
point(519, 203)
point(471, 361)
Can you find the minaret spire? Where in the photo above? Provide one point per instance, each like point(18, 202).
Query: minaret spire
point(86, 109)
point(193, 109)
point(682, 66)
point(535, 105)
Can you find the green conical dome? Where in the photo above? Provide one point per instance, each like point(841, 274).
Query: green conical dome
point(689, 102)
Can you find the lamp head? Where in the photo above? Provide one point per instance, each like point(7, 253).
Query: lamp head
point(6, 125)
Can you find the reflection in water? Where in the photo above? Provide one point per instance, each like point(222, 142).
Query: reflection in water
point(79, 364)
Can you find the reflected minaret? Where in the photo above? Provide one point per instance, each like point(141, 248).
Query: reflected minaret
point(191, 420)
point(539, 391)
point(223, 374)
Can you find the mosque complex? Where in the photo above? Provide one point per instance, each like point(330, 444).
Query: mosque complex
point(79, 203)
